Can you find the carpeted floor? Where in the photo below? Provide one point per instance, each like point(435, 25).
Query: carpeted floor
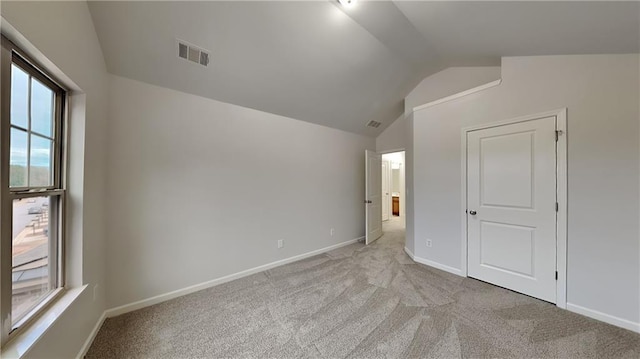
point(362, 302)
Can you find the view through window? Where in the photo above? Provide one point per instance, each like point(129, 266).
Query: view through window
point(31, 279)
point(32, 193)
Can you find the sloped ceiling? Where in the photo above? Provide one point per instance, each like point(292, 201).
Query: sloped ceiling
point(318, 62)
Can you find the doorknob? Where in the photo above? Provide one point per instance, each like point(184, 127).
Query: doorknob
point(367, 202)
point(473, 213)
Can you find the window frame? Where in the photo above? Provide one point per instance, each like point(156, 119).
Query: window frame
point(56, 133)
point(11, 54)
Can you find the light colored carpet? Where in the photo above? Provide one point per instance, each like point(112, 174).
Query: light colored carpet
point(359, 302)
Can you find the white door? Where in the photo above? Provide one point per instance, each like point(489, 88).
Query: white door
point(373, 196)
point(385, 190)
point(511, 206)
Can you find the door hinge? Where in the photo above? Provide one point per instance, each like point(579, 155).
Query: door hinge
point(556, 275)
point(558, 133)
point(557, 207)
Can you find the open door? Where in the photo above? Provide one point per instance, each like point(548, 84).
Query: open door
point(373, 196)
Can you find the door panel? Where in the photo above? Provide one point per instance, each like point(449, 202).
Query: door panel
point(507, 247)
point(373, 191)
point(386, 198)
point(506, 178)
point(511, 187)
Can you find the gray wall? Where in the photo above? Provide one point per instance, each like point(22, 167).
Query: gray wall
point(200, 189)
point(601, 94)
point(399, 135)
point(439, 85)
point(409, 241)
point(448, 82)
point(394, 137)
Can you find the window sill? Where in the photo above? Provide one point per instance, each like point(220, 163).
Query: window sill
point(18, 346)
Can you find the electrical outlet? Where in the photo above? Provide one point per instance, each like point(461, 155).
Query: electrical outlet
point(428, 243)
point(280, 243)
point(332, 232)
point(95, 292)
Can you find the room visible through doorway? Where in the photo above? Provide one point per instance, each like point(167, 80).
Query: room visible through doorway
point(393, 187)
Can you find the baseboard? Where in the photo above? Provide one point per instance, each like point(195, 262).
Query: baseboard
point(409, 253)
point(437, 265)
point(619, 322)
point(610, 319)
point(212, 283)
point(92, 336)
point(433, 264)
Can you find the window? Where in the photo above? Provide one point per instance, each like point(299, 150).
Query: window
point(31, 188)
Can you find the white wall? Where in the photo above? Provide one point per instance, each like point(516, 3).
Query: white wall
point(439, 85)
point(409, 240)
point(395, 180)
point(393, 137)
point(399, 135)
point(200, 189)
point(61, 35)
point(601, 94)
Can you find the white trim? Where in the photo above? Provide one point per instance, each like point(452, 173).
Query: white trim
point(562, 215)
point(212, 283)
point(536, 116)
point(437, 265)
point(561, 195)
point(409, 253)
point(20, 345)
point(464, 259)
point(618, 322)
point(92, 336)
point(458, 95)
point(433, 264)
point(391, 151)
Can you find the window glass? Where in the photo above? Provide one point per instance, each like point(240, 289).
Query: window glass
point(18, 159)
point(30, 255)
point(40, 162)
point(19, 97)
point(41, 109)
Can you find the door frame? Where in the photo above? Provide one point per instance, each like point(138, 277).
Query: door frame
point(388, 175)
point(561, 194)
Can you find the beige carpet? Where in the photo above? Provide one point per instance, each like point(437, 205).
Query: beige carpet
point(359, 302)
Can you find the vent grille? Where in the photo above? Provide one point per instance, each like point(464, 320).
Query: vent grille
point(193, 53)
point(183, 50)
point(374, 124)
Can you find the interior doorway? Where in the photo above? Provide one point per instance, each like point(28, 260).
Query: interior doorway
point(385, 197)
point(393, 187)
point(514, 191)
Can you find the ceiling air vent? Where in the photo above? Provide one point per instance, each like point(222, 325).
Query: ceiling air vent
point(374, 124)
point(193, 53)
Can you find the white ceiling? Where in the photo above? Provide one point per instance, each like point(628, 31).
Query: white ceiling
point(317, 62)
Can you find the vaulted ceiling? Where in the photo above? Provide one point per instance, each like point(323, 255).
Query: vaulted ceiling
point(342, 67)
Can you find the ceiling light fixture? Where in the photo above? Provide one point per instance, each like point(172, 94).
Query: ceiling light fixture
point(347, 3)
